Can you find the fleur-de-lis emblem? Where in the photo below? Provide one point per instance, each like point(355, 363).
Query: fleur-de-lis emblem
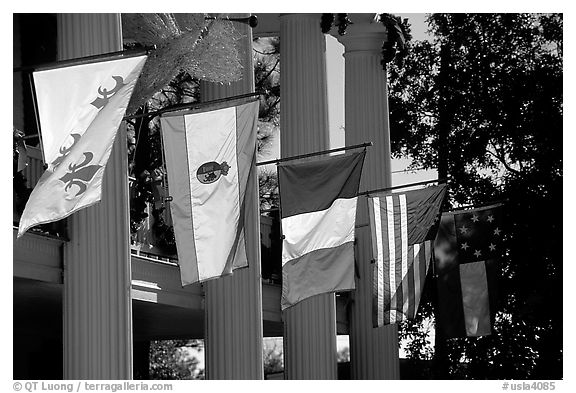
point(64, 151)
point(106, 94)
point(80, 174)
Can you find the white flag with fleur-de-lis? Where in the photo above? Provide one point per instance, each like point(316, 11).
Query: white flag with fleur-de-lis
point(80, 109)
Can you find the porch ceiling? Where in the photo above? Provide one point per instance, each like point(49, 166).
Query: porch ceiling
point(268, 25)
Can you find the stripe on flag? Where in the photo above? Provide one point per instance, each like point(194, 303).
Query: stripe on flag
point(401, 227)
point(475, 301)
point(318, 215)
point(209, 158)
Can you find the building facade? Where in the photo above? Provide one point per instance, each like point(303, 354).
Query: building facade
point(88, 303)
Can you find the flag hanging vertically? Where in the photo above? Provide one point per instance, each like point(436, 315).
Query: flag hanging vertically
point(210, 155)
point(403, 227)
point(80, 109)
point(466, 250)
point(318, 214)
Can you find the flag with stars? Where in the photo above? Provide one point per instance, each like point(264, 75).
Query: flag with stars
point(466, 251)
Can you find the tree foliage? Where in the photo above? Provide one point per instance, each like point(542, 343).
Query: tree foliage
point(482, 102)
point(171, 359)
point(343, 355)
point(273, 357)
point(397, 33)
point(267, 77)
point(267, 82)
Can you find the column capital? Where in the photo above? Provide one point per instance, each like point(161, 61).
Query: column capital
point(364, 34)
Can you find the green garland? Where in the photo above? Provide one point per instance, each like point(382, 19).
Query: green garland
point(395, 47)
point(398, 34)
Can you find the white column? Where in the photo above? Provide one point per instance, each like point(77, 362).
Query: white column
point(97, 303)
point(310, 326)
point(373, 352)
point(233, 317)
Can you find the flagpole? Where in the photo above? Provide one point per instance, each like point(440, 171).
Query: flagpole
point(179, 107)
point(86, 60)
point(497, 203)
point(164, 172)
point(365, 144)
point(191, 105)
point(318, 153)
point(403, 186)
point(397, 187)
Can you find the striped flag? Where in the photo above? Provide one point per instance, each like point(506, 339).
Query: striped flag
point(210, 158)
point(466, 251)
point(318, 214)
point(403, 226)
point(80, 109)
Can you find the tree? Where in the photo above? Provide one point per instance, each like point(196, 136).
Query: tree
point(267, 77)
point(170, 359)
point(482, 103)
point(343, 355)
point(267, 82)
point(273, 357)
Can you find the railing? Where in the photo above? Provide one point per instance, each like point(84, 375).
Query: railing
point(144, 241)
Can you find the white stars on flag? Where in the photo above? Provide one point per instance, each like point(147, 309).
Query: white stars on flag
point(479, 234)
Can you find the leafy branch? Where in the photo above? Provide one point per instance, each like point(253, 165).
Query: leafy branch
point(398, 34)
point(501, 157)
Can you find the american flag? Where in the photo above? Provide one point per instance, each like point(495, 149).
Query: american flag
point(403, 227)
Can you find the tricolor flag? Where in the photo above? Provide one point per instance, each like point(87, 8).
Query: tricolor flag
point(210, 156)
point(466, 251)
point(403, 227)
point(80, 109)
point(318, 216)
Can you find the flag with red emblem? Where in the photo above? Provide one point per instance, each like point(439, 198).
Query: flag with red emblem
point(210, 160)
